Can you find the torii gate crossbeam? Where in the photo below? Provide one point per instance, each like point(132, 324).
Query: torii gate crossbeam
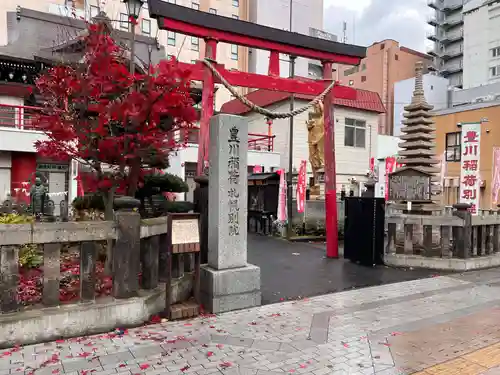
point(214, 29)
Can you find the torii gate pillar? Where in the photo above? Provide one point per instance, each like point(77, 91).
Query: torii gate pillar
point(331, 220)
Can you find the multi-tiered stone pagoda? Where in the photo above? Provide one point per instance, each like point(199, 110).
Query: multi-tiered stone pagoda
point(411, 187)
point(418, 131)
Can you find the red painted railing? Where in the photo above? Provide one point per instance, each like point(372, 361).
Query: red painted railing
point(261, 142)
point(256, 142)
point(17, 116)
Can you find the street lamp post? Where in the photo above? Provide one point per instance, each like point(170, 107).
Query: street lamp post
point(133, 10)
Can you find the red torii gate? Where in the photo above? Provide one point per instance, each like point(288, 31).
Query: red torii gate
point(214, 28)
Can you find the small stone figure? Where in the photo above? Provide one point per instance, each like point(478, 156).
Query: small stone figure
point(38, 196)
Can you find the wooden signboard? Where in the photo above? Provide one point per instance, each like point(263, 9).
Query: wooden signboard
point(410, 185)
point(183, 240)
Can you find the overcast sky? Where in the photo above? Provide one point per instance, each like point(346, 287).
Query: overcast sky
point(370, 21)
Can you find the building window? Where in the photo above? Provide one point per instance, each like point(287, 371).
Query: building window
point(352, 70)
point(453, 146)
point(195, 5)
point(94, 11)
point(195, 44)
point(363, 78)
point(234, 52)
point(236, 3)
point(212, 10)
point(124, 24)
point(363, 67)
point(382, 46)
point(171, 38)
point(355, 133)
point(146, 26)
point(236, 17)
point(495, 52)
point(396, 57)
point(495, 71)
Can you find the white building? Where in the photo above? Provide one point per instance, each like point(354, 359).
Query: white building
point(355, 131)
point(436, 94)
point(481, 43)
point(387, 147)
point(183, 163)
point(306, 14)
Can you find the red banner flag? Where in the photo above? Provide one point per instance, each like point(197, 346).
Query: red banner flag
point(301, 187)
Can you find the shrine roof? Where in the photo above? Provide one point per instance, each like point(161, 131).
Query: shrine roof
point(365, 101)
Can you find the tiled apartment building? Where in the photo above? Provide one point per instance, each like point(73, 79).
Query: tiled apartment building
point(386, 63)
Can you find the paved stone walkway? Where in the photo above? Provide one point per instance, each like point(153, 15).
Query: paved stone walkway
point(442, 325)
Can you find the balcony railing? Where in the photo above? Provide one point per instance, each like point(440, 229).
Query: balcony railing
point(20, 117)
point(17, 116)
point(448, 54)
point(261, 142)
point(431, 35)
point(432, 21)
point(449, 23)
point(451, 38)
point(449, 69)
point(446, 8)
point(433, 4)
point(256, 142)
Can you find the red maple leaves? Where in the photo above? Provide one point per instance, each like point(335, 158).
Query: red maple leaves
point(116, 122)
point(30, 282)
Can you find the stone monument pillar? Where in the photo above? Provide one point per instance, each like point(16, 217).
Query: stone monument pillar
point(228, 282)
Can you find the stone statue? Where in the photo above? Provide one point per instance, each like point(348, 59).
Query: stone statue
point(316, 135)
point(38, 196)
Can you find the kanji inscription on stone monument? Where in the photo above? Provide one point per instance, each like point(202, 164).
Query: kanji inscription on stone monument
point(233, 170)
point(227, 237)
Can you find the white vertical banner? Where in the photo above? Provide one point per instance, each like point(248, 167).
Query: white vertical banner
point(469, 165)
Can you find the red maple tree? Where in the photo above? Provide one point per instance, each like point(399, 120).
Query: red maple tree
point(117, 123)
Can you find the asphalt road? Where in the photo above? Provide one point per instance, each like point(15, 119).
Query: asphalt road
point(297, 270)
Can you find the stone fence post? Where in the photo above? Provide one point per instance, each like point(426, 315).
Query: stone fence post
point(463, 235)
point(127, 249)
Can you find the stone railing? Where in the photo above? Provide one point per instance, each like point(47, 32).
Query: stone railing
point(443, 237)
point(143, 255)
point(52, 212)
